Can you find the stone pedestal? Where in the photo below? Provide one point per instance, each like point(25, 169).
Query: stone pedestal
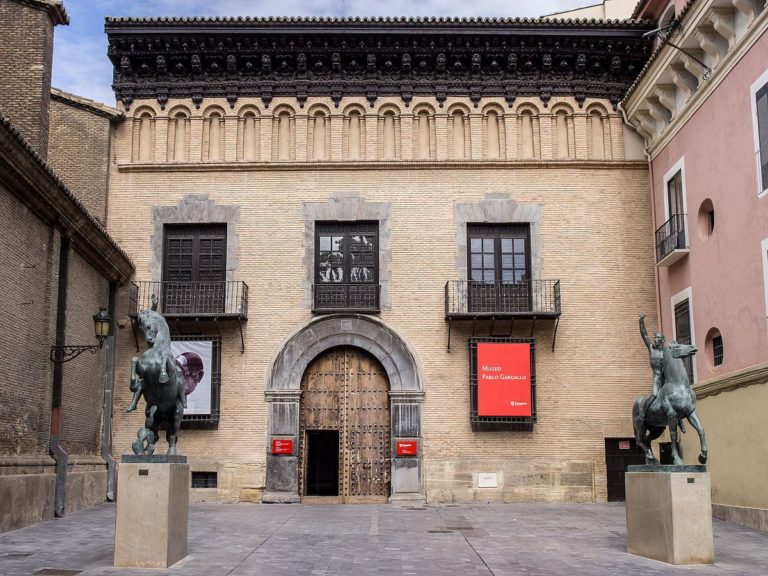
point(669, 514)
point(152, 511)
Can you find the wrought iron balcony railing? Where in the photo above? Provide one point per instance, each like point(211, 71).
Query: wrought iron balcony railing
point(671, 236)
point(332, 297)
point(502, 299)
point(191, 299)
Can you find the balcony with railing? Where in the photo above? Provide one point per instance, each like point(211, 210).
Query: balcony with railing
point(671, 241)
point(336, 297)
point(191, 300)
point(504, 302)
point(466, 299)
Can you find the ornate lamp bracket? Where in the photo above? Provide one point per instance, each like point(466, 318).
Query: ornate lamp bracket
point(61, 354)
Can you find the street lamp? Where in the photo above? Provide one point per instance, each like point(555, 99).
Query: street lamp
point(101, 322)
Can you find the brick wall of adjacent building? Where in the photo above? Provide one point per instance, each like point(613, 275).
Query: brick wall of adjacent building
point(83, 386)
point(596, 237)
point(76, 134)
point(26, 56)
point(28, 281)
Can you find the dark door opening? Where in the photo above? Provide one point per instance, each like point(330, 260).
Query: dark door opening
point(322, 463)
point(620, 453)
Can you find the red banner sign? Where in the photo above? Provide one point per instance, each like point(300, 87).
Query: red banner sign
point(282, 446)
point(407, 448)
point(504, 379)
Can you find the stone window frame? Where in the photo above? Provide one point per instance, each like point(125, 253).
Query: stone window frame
point(497, 208)
point(195, 209)
point(347, 208)
point(759, 84)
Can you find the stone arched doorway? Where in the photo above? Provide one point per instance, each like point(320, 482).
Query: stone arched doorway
point(344, 428)
point(284, 396)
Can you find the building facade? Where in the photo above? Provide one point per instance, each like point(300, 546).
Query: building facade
point(342, 217)
point(702, 108)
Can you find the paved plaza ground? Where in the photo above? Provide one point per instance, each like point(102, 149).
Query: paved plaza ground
point(294, 540)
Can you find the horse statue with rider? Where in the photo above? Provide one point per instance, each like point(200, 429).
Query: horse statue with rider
point(156, 376)
point(672, 399)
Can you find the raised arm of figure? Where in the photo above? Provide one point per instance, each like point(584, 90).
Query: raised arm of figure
point(644, 332)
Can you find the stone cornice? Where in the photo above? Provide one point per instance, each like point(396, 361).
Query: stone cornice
point(301, 58)
point(325, 166)
point(27, 176)
point(746, 377)
point(667, 63)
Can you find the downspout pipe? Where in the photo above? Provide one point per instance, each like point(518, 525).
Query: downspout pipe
point(653, 214)
point(106, 430)
point(56, 450)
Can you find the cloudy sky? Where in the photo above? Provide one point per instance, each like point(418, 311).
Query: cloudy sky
point(80, 64)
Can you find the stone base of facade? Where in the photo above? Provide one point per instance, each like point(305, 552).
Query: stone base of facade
point(513, 480)
point(755, 518)
point(270, 497)
point(27, 487)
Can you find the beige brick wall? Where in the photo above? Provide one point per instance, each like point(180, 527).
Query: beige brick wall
point(596, 238)
point(77, 134)
point(26, 55)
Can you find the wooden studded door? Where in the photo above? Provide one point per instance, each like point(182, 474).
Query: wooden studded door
point(345, 390)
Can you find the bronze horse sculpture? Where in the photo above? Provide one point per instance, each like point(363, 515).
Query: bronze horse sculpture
point(676, 401)
point(156, 376)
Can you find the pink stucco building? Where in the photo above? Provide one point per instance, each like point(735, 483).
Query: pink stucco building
point(702, 107)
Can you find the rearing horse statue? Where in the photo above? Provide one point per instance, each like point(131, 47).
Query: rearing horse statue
point(156, 376)
point(675, 402)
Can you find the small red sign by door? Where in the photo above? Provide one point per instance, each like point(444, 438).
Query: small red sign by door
point(407, 448)
point(623, 444)
point(282, 446)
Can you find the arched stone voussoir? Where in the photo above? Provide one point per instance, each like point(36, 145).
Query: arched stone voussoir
point(334, 330)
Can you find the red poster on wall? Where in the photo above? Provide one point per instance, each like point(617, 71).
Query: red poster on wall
point(282, 446)
point(504, 379)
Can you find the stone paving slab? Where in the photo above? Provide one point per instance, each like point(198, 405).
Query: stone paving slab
point(377, 540)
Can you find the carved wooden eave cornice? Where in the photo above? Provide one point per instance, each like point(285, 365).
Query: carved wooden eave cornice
point(196, 58)
point(26, 175)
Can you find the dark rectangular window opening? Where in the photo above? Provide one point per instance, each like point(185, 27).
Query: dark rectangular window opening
point(717, 349)
point(346, 275)
point(322, 459)
point(204, 479)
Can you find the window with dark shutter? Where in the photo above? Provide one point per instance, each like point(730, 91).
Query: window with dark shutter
point(683, 332)
point(194, 269)
point(761, 102)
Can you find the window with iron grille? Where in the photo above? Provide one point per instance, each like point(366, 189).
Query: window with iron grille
point(204, 479)
point(717, 350)
point(194, 269)
point(346, 266)
point(683, 332)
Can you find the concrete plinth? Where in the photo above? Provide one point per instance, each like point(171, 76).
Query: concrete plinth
point(152, 511)
point(669, 514)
